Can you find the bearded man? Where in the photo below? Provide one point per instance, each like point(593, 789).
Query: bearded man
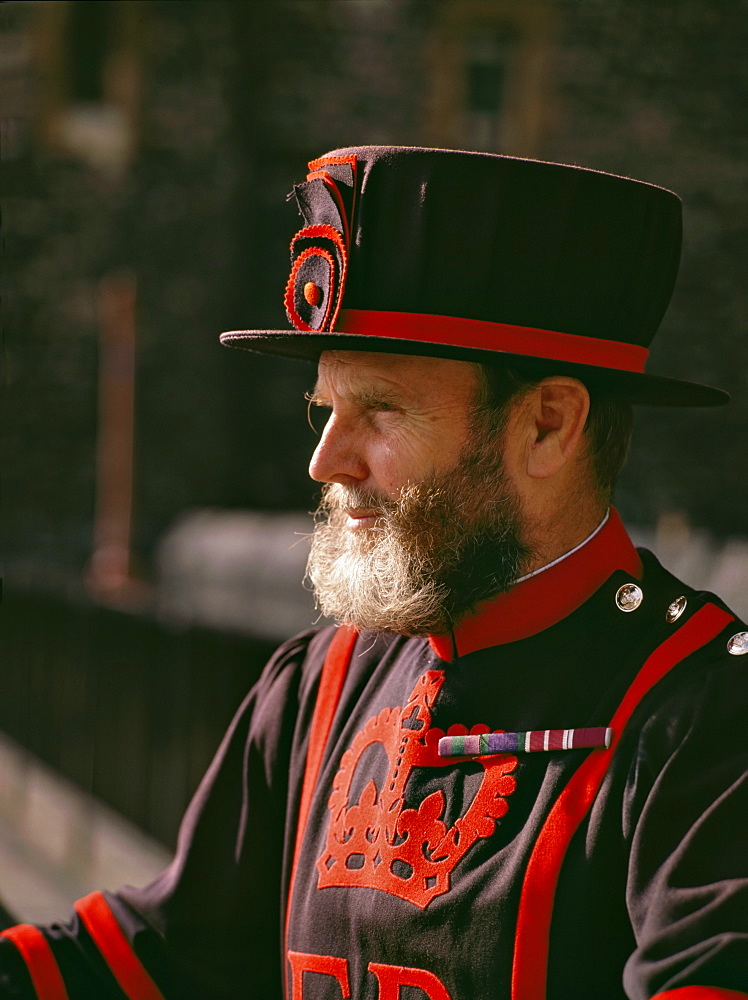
point(514, 771)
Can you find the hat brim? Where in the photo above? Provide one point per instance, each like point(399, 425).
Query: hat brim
point(640, 388)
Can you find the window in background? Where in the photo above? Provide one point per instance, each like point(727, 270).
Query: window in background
point(90, 82)
point(489, 76)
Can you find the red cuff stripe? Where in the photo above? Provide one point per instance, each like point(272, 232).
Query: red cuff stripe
point(478, 333)
point(116, 950)
point(530, 968)
point(40, 961)
point(700, 993)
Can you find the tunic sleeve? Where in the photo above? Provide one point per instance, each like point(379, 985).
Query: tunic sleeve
point(208, 925)
point(686, 812)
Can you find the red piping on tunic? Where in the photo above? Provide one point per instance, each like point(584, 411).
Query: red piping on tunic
point(530, 968)
point(477, 333)
point(115, 949)
point(331, 681)
point(545, 598)
point(40, 961)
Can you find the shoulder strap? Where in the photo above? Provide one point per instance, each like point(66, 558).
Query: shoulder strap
point(331, 680)
point(530, 968)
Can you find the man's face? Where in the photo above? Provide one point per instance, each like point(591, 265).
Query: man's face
point(394, 420)
point(418, 521)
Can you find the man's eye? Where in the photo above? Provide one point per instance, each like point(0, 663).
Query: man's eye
point(382, 405)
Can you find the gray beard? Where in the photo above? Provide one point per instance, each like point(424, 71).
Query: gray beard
point(433, 555)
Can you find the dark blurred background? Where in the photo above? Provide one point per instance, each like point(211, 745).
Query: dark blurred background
point(154, 483)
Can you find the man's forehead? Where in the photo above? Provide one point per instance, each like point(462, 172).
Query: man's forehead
point(406, 372)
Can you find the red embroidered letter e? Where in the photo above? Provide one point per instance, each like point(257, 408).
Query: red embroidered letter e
point(325, 964)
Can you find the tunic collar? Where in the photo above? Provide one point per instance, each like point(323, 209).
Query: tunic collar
point(546, 596)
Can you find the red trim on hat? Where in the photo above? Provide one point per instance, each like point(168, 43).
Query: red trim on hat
point(335, 294)
point(322, 231)
point(116, 950)
point(530, 965)
point(332, 187)
point(700, 993)
point(332, 161)
point(476, 333)
point(316, 168)
point(297, 321)
point(34, 948)
point(545, 598)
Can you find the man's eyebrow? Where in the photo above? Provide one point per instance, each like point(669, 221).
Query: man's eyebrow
point(366, 396)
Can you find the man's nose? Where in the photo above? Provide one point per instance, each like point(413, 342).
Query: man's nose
point(337, 458)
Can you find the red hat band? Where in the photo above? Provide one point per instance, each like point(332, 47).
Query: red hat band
point(482, 335)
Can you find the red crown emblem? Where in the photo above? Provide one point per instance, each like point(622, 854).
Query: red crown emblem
point(408, 853)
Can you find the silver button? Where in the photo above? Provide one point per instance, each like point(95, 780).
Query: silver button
point(629, 597)
point(676, 609)
point(738, 645)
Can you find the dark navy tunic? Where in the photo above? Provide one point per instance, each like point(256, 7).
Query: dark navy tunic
point(411, 865)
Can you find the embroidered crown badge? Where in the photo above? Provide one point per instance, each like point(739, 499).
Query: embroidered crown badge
point(407, 852)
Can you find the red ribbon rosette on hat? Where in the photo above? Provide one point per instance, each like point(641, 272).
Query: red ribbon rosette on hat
point(319, 251)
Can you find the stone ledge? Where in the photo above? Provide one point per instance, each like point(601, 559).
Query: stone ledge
point(58, 843)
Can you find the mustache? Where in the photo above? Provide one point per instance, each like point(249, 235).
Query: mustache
point(418, 510)
point(338, 498)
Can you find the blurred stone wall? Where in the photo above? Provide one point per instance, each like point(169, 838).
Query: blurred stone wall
point(163, 137)
point(658, 91)
point(140, 176)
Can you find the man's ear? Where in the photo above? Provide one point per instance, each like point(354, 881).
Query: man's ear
point(559, 408)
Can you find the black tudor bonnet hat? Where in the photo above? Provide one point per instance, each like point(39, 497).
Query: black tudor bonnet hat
point(484, 258)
